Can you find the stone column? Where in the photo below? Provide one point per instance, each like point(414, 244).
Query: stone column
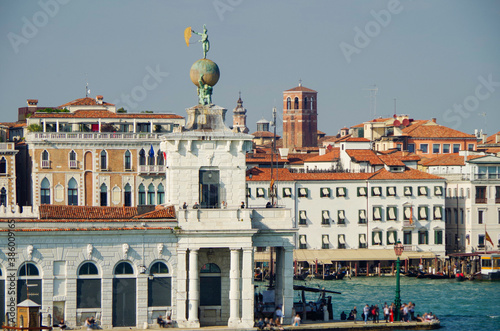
point(278, 270)
point(234, 289)
point(181, 288)
point(142, 301)
point(247, 290)
point(107, 302)
point(194, 289)
point(287, 284)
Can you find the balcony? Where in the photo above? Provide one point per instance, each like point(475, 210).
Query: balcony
point(73, 164)
point(45, 164)
point(486, 176)
point(408, 224)
point(80, 136)
point(148, 169)
point(481, 200)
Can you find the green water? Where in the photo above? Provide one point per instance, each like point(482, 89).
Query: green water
point(468, 305)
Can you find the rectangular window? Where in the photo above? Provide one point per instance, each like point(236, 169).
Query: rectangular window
point(325, 242)
point(341, 239)
point(303, 192)
point(361, 191)
point(408, 191)
point(411, 148)
point(341, 191)
point(438, 237)
point(446, 148)
point(362, 216)
point(287, 192)
point(160, 292)
point(456, 148)
point(480, 194)
point(407, 213)
point(438, 212)
point(324, 192)
point(407, 238)
point(424, 148)
point(480, 216)
point(376, 191)
point(325, 217)
point(392, 213)
point(362, 240)
point(399, 147)
point(480, 241)
point(436, 148)
point(438, 191)
point(302, 241)
point(341, 217)
point(392, 237)
point(302, 217)
point(497, 194)
point(377, 213)
point(423, 238)
point(376, 238)
point(422, 191)
point(423, 213)
point(391, 191)
point(261, 192)
point(88, 293)
point(470, 147)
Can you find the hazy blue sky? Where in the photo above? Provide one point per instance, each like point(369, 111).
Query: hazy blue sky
point(437, 58)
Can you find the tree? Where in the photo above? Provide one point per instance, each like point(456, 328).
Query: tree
point(34, 128)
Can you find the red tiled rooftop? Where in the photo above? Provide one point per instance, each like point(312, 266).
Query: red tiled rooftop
point(445, 160)
point(104, 114)
point(428, 129)
point(408, 174)
point(300, 89)
point(264, 174)
point(161, 212)
point(333, 155)
point(364, 155)
point(84, 102)
point(264, 134)
point(86, 212)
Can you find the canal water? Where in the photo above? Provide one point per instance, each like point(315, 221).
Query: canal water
point(467, 305)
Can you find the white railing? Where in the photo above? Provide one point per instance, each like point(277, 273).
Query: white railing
point(72, 164)
point(45, 164)
point(151, 168)
point(18, 212)
point(6, 146)
point(91, 135)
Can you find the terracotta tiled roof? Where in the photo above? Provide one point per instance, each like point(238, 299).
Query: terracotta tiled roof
point(364, 155)
point(86, 229)
point(391, 160)
point(334, 155)
point(84, 102)
point(264, 134)
point(161, 212)
point(103, 114)
point(429, 129)
point(350, 139)
point(328, 139)
point(86, 212)
point(492, 139)
point(472, 157)
point(264, 174)
point(300, 89)
point(445, 160)
point(408, 174)
point(361, 125)
point(320, 132)
point(404, 156)
point(11, 125)
point(492, 150)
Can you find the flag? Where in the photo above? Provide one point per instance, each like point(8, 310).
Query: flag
point(151, 151)
point(488, 238)
point(272, 184)
point(164, 155)
point(411, 215)
point(187, 35)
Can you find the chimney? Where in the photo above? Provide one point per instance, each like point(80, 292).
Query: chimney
point(32, 102)
point(434, 120)
point(484, 138)
point(497, 138)
point(99, 99)
point(322, 151)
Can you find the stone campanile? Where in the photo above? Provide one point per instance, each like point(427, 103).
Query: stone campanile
point(300, 117)
point(240, 117)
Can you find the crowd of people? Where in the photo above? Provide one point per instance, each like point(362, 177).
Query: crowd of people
point(272, 323)
point(374, 312)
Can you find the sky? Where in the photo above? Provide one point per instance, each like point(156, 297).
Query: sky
point(428, 59)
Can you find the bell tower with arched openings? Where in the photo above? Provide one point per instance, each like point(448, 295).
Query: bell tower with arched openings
point(300, 117)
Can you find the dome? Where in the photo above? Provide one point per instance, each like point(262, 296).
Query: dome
point(208, 69)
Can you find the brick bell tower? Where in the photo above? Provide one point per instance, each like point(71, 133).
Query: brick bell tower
point(300, 117)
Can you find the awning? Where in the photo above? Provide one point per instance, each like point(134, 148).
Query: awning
point(423, 213)
point(423, 190)
point(407, 191)
point(303, 214)
point(326, 214)
point(376, 213)
point(362, 190)
point(376, 190)
point(327, 256)
point(408, 212)
point(325, 240)
point(437, 212)
point(362, 214)
point(392, 191)
point(342, 239)
point(303, 191)
point(341, 214)
point(303, 240)
point(341, 191)
point(362, 239)
point(392, 214)
point(326, 191)
point(438, 190)
point(391, 237)
point(376, 238)
point(288, 191)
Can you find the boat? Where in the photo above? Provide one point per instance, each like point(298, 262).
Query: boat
point(301, 276)
point(460, 277)
point(438, 275)
point(330, 276)
point(490, 267)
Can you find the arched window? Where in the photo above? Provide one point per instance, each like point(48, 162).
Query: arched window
point(210, 285)
point(45, 192)
point(288, 103)
point(159, 158)
point(45, 160)
point(104, 160)
point(104, 195)
point(3, 197)
point(124, 268)
point(128, 164)
point(158, 268)
point(161, 194)
point(142, 157)
point(88, 268)
point(296, 103)
point(127, 198)
point(72, 159)
point(142, 195)
point(151, 194)
point(151, 156)
point(72, 192)
point(28, 269)
point(3, 166)
point(159, 285)
point(29, 274)
point(305, 103)
point(312, 103)
point(88, 286)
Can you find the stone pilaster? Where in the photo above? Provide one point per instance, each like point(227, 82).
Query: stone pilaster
point(107, 302)
point(287, 277)
point(194, 289)
point(247, 290)
point(181, 288)
point(234, 289)
point(142, 300)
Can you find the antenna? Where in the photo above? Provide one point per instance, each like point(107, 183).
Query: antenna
point(394, 107)
point(484, 114)
point(87, 90)
point(373, 99)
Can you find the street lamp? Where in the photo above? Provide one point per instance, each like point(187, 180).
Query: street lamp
point(398, 249)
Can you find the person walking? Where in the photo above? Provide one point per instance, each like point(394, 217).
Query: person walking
point(386, 313)
point(366, 311)
point(354, 314)
point(375, 315)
